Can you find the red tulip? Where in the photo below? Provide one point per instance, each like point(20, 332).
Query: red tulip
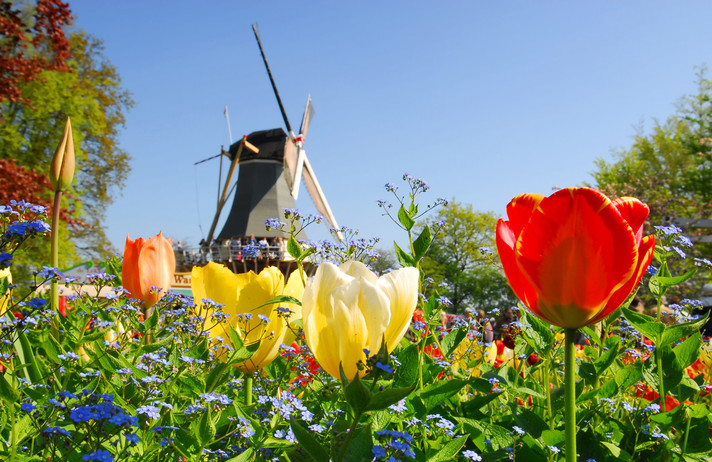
point(148, 263)
point(574, 257)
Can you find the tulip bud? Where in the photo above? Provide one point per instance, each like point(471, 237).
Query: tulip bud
point(61, 170)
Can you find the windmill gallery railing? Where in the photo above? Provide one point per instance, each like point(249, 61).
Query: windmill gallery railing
point(239, 255)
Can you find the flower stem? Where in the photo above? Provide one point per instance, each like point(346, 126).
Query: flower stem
point(661, 385)
point(570, 394)
point(54, 250)
point(248, 390)
point(547, 389)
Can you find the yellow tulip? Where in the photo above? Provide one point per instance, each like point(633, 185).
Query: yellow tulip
point(247, 293)
point(347, 309)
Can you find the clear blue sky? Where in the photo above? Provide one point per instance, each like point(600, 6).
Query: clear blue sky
point(484, 100)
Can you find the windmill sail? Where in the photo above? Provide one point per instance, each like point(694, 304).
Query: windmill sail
point(318, 197)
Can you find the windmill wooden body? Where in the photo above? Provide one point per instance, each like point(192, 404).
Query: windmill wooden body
point(272, 164)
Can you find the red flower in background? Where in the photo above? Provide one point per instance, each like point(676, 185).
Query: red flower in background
point(574, 257)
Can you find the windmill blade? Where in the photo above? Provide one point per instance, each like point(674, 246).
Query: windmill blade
point(318, 197)
point(306, 119)
point(274, 85)
point(294, 152)
point(290, 163)
point(301, 158)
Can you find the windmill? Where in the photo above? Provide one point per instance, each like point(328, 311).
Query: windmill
point(272, 165)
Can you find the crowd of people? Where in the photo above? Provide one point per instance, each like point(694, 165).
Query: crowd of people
point(233, 249)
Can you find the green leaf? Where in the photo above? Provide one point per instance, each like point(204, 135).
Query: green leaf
point(449, 450)
point(308, 442)
point(528, 420)
point(422, 243)
point(629, 375)
point(360, 448)
point(283, 299)
point(646, 325)
point(553, 437)
point(247, 456)
point(187, 444)
point(294, 249)
point(151, 322)
point(194, 383)
point(669, 281)
point(206, 430)
point(537, 333)
point(405, 218)
point(34, 363)
point(404, 259)
point(452, 340)
point(500, 437)
point(357, 395)
point(8, 392)
point(603, 362)
point(407, 372)
point(383, 399)
point(613, 448)
point(243, 354)
point(673, 334)
point(235, 338)
point(436, 393)
point(688, 351)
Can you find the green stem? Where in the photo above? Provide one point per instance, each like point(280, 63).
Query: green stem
point(349, 436)
point(54, 251)
point(687, 433)
point(547, 389)
point(661, 385)
point(13, 433)
point(570, 394)
point(248, 390)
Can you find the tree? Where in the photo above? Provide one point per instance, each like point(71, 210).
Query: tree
point(90, 92)
point(31, 42)
point(462, 257)
point(669, 168)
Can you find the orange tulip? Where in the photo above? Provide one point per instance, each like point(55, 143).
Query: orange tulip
point(574, 257)
point(146, 264)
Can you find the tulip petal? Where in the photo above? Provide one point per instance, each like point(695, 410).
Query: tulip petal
point(522, 288)
point(318, 313)
point(520, 209)
point(361, 314)
point(401, 288)
point(129, 267)
point(634, 212)
point(645, 256)
point(157, 264)
point(357, 269)
point(576, 251)
point(217, 283)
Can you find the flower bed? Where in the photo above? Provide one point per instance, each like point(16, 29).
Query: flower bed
point(331, 367)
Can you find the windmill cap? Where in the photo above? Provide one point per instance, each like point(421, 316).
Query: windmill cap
point(270, 143)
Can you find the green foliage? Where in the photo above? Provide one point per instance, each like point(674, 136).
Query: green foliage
point(670, 168)
point(462, 256)
point(90, 93)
